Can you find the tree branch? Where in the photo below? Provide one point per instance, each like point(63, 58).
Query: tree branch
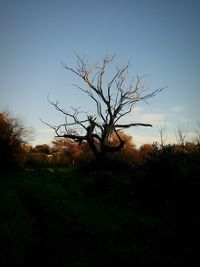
point(133, 124)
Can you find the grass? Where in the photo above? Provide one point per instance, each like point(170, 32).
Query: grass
point(67, 217)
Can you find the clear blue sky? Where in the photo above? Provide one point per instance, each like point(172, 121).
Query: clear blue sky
point(161, 38)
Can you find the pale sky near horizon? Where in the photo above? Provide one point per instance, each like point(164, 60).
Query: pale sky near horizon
point(160, 38)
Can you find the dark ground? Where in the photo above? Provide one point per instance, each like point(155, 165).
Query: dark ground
point(138, 216)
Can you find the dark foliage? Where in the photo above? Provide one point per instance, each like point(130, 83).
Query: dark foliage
point(141, 215)
point(13, 136)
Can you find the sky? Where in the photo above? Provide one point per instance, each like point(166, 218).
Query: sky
point(159, 38)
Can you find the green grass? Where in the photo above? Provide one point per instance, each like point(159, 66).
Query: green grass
point(64, 217)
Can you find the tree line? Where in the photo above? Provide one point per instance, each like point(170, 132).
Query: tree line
point(16, 151)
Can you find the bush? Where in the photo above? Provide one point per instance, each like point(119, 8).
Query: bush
point(13, 136)
point(34, 160)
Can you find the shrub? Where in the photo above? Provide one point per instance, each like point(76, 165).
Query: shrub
point(13, 136)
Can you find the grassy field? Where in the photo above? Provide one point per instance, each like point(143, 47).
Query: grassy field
point(69, 217)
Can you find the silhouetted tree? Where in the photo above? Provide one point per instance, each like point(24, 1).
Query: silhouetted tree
point(13, 136)
point(113, 100)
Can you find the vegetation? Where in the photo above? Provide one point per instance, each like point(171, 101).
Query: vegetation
point(63, 208)
point(141, 209)
point(13, 136)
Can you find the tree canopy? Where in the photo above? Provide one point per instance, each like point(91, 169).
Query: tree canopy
point(13, 135)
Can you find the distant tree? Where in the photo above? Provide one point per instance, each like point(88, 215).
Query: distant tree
point(190, 147)
point(162, 132)
point(71, 151)
point(27, 148)
point(197, 134)
point(113, 99)
point(60, 145)
point(45, 149)
point(128, 151)
point(13, 136)
point(182, 133)
point(61, 151)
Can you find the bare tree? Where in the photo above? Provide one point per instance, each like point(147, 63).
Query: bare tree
point(113, 101)
point(162, 132)
point(197, 134)
point(182, 133)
